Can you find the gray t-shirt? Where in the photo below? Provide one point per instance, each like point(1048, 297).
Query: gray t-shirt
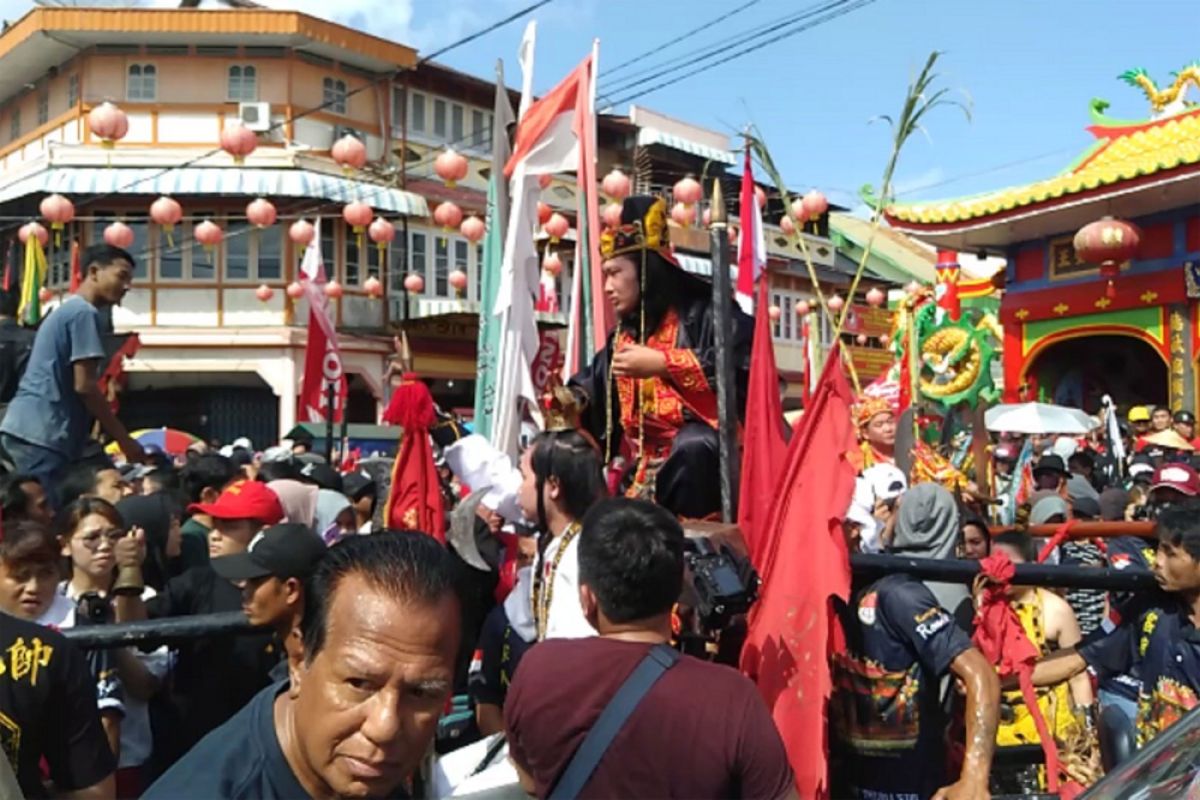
point(47, 411)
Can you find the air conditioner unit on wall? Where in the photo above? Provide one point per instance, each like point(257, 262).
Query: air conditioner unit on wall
point(255, 116)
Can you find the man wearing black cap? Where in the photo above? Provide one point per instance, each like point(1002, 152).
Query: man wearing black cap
point(272, 573)
point(1185, 426)
point(1049, 473)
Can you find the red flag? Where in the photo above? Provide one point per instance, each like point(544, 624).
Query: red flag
point(76, 268)
point(322, 356)
point(752, 247)
point(764, 441)
point(415, 495)
point(805, 564)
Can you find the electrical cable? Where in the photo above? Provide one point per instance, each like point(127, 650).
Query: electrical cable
point(680, 38)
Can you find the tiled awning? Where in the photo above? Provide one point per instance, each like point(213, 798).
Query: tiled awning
point(648, 135)
point(218, 181)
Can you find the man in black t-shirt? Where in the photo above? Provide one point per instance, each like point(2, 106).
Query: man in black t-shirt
point(48, 711)
point(358, 715)
point(497, 654)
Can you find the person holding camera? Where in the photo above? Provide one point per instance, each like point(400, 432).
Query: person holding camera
point(126, 679)
point(694, 729)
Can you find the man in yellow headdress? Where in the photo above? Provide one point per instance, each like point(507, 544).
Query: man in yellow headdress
point(651, 392)
point(876, 420)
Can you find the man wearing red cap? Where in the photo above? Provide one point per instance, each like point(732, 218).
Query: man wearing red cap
point(215, 676)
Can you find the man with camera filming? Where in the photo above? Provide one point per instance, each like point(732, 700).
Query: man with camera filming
point(622, 714)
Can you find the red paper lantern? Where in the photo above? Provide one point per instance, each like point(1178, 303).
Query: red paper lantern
point(798, 211)
point(209, 234)
point(1109, 243)
point(786, 225)
point(166, 213)
point(358, 215)
point(875, 297)
point(35, 229)
point(414, 283)
point(836, 302)
point(760, 196)
point(302, 232)
point(118, 234)
point(616, 185)
point(885, 340)
point(58, 211)
point(108, 123)
point(687, 191)
point(552, 263)
point(774, 313)
point(334, 290)
point(448, 215)
point(382, 232)
point(802, 308)
point(264, 293)
point(261, 213)
point(238, 140)
point(458, 280)
point(612, 215)
point(45, 295)
point(350, 153)
point(450, 167)
point(557, 227)
point(472, 229)
point(544, 213)
point(683, 215)
point(814, 204)
point(373, 287)
point(295, 290)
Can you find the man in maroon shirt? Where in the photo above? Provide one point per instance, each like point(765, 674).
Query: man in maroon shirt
point(701, 731)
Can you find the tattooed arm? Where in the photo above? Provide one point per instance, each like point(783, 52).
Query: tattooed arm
point(982, 717)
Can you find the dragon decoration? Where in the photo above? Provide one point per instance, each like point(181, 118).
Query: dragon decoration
point(956, 355)
point(1171, 99)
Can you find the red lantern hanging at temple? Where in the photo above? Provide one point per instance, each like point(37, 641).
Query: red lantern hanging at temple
point(683, 215)
point(166, 213)
point(448, 215)
point(451, 167)
point(774, 313)
point(814, 205)
point(209, 235)
point(261, 213)
point(302, 232)
point(108, 123)
point(58, 211)
point(334, 290)
point(786, 225)
point(414, 283)
point(616, 185)
point(373, 287)
point(382, 233)
point(543, 211)
point(557, 227)
point(458, 281)
point(687, 191)
point(472, 229)
point(875, 297)
point(350, 153)
point(295, 290)
point(264, 293)
point(36, 230)
point(802, 308)
point(238, 140)
point(118, 234)
point(611, 215)
point(1108, 242)
point(358, 216)
point(552, 264)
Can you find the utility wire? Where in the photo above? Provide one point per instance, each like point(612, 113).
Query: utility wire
point(680, 38)
point(841, 10)
point(717, 48)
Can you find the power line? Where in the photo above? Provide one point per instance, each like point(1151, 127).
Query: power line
point(333, 101)
point(682, 37)
point(715, 49)
point(840, 9)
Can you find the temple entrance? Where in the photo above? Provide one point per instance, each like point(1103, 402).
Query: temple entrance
point(1078, 372)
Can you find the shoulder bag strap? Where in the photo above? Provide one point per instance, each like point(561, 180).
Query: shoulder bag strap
point(579, 770)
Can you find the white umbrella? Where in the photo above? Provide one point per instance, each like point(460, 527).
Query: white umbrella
point(1036, 418)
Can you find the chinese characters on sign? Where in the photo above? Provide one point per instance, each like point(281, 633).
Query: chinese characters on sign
point(1178, 353)
point(1064, 262)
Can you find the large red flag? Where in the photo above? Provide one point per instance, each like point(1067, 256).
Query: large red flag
point(804, 565)
point(764, 441)
point(322, 356)
point(414, 500)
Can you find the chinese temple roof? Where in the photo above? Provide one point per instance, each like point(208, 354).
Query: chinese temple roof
point(1123, 151)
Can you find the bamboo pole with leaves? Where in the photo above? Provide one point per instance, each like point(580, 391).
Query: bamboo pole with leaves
point(920, 100)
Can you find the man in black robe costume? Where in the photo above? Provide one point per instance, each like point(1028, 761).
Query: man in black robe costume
point(651, 392)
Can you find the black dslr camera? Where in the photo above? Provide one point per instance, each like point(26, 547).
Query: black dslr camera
point(724, 584)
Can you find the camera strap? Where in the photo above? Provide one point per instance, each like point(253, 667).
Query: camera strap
point(611, 720)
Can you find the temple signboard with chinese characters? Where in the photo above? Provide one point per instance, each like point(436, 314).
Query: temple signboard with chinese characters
point(1092, 309)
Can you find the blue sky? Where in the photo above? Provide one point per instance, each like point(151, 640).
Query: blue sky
point(1030, 69)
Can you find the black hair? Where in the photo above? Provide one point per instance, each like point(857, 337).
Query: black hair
point(571, 459)
point(1021, 542)
point(278, 470)
point(408, 566)
point(14, 503)
point(209, 471)
point(26, 542)
point(79, 480)
point(1083, 458)
point(631, 557)
point(1179, 525)
point(663, 286)
point(971, 518)
point(102, 255)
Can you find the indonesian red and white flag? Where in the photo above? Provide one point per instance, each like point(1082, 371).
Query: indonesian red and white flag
point(322, 356)
point(752, 246)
